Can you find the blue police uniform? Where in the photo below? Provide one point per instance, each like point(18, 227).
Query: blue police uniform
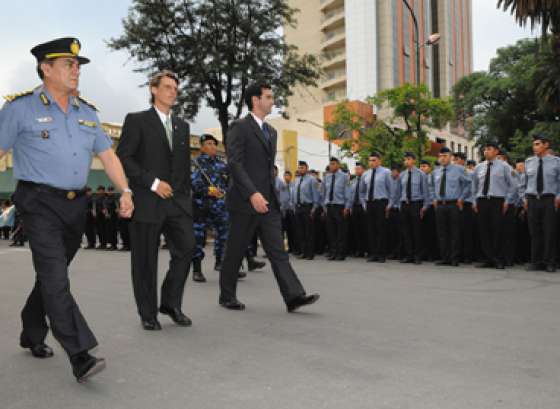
point(336, 199)
point(52, 152)
point(210, 211)
point(306, 197)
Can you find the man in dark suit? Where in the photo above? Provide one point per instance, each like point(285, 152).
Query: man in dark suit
point(253, 203)
point(155, 152)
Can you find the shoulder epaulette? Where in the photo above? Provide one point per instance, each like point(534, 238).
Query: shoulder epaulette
point(89, 104)
point(13, 97)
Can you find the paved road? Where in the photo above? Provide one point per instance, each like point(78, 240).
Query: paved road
point(382, 336)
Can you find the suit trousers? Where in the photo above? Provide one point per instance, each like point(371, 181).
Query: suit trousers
point(358, 230)
point(305, 230)
point(490, 227)
point(241, 229)
point(377, 228)
point(177, 228)
point(542, 225)
point(337, 230)
point(448, 222)
point(412, 229)
point(54, 226)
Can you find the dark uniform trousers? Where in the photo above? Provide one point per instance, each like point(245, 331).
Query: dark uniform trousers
point(542, 225)
point(509, 241)
point(490, 226)
point(337, 230)
point(242, 227)
point(467, 233)
point(319, 231)
point(395, 234)
point(358, 237)
point(55, 226)
point(305, 229)
point(412, 229)
point(523, 241)
point(377, 228)
point(429, 234)
point(174, 223)
point(90, 229)
point(288, 229)
point(448, 222)
point(124, 225)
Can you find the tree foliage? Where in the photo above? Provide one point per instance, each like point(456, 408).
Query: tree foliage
point(217, 47)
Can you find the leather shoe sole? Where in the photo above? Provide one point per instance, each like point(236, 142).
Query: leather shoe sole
point(97, 365)
point(177, 317)
point(301, 301)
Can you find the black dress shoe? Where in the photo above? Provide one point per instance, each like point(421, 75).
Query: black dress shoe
point(38, 350)
point(485, 265)
point(301, 301)
point(372, 259)
point(151, 325)
point(381, 260)
point(218, 265)
point(443, 263)
point(500, 266)
point(407, 261)
point(177, 316)
point(340, 258)
point(233, 305)
point(253, 264)
point(454, 264)
point(417, 261)
point(551, 268)
point(532, 267)
point(241, 275)
point(309, 258)
point(84, 366)
point(331, 258)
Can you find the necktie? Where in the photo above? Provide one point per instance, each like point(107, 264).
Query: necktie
point(409, 186)
point(371, 190)
point(487, 179)
point(540, 178)
point(266, 132)
point(298, 194)
point(331, 193)
point(442, 183)
point(169, 131)
point(357, 191)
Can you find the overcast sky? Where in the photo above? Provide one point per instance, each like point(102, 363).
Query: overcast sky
point(109, 81)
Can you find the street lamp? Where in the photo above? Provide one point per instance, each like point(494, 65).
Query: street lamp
point(432, 39)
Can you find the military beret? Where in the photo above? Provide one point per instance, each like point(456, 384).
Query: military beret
point(541, 137)
point(61, 47)
point(460, 155)
point(425, 162)
point(492, 144)
point(471, 162)
point(409, 155)
point(445, 149)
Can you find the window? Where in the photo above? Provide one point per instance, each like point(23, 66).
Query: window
point(452, 146)
point(459, 148)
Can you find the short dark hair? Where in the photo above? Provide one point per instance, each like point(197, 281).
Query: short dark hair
point(287, 172)
point(255, 90)
point(156, 80)
point(40, 71)
point(360, 164)
point(374, 155)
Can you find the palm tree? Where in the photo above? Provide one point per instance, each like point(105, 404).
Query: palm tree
point(543, 12)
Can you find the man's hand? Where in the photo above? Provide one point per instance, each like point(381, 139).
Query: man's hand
point(422, 212)
point(434, 203)
point(387, 212)
point(126, 205)
point(505, 207)
point(526, 204)
point(164, 190)
point(474, 207)
point(259, 203)
point(557, 203)
point(460, 204)
point(347, 212)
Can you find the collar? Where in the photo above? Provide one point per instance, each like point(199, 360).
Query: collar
point(163, 117)
point(259, 121)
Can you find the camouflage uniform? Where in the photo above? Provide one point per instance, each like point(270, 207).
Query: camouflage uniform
point(209, 211)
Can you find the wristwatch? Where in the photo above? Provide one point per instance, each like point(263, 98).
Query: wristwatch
point(127, 190)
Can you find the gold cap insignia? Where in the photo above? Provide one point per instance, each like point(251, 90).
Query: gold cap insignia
point(75, 47)
point(71, 195)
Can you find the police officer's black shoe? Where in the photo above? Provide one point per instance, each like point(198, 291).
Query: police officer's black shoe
point(372, 259)
point(151, 325)
point(218, 264)
point(241, 275)
point(454, 264)
point(253, 264)
point(176, 315)
point(84, 366)
point(418, 260)
point(41, 350)
point(443, 263)
point(197, 271)
point(500, 266)
point(551, 268)
point(232, 305)
point(407, 261)
point(331, 257)
point(532, 267)
point(486, 264)
point(301, 301)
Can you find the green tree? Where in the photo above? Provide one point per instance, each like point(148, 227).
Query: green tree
point(545, 13)
point(217, 47)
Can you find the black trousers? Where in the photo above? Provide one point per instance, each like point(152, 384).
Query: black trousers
point(54, 226)
point(430, 239)
point(509, 240)
point(358, 232)
point(542, 225)
point(467, 232)
point(124, 225)
point(101, 229)
point(448, 222)
point(377, 228)
point(490, 227)
point(523, 242)
point(412, 229)
point(305, 230)
point(337, 230)
point(177, 228)
point(112, 229)
point(288, 230)
point(395, 234)
point(90, 229)
point(320, 241)
point(242, 226)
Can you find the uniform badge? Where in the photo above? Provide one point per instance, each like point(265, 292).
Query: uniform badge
point(45, 134)
point(90, 124)
point(44, 99)
point(71, 195)
point(44, 119)
point(75, 47)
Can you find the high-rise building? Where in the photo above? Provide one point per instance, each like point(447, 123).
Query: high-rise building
point(368, 45)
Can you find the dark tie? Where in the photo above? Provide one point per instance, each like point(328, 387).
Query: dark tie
point(409, 186)
point(487, 179)
point(266, 132)
point(442, 183)
point(331, 193)
point(357, 192)
point(371, 190)
point(540, 178)
point(298, 194)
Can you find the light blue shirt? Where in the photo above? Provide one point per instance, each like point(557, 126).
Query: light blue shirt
point(308, 189)
point(341, 190)
point(284, 192)
point(355, 183)
point(382, 186)
point(419, 184)
point(501, 185)
point(456, 182)
point(50, 146)
point(551, 176)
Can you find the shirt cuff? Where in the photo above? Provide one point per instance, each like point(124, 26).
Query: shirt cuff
point(155, 185)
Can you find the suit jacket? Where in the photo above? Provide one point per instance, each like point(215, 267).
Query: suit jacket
point(146, 155)
point(251, 162)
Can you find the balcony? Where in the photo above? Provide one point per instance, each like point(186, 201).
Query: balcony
point(333, 82)
point(334, 59)
point(333, 39)
point(333, 19)
point(330, 4)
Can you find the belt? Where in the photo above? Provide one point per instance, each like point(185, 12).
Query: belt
point(39, 187)
point(490, 198)
point(304, 205)
point(378, 200)
point(411, 202)
point(543, 196)
point(334, 205)
point(447, 202)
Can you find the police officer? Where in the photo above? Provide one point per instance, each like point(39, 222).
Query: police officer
point(357, 238)
point(523, 242)
point(376, 195)
point(429, 229)
point(54, 133)
point(287, 209)
point(395, 237)
point(541, 187)
point(450, 186)
point(414, 196)
point(337, 206)
point(306, 199)
point(209, 182)
point(493, 187)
